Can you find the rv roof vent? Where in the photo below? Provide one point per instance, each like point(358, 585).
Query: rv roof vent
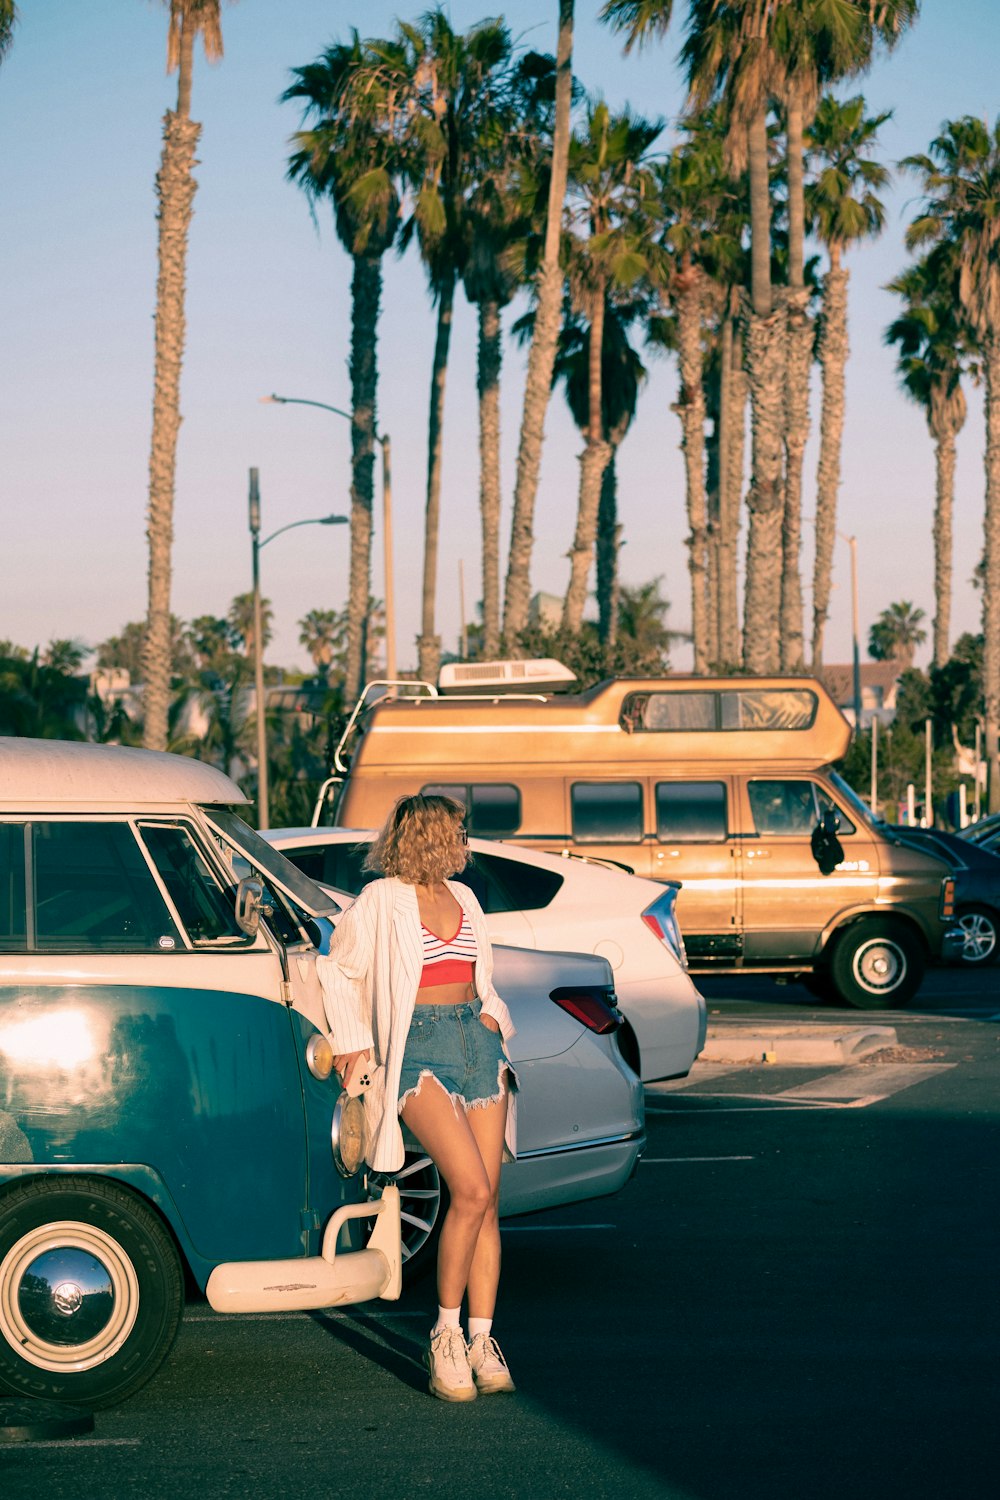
point(489, 676)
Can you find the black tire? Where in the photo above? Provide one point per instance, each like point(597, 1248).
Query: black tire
point(877, 965)
point(982, 936)
point(91, 1291)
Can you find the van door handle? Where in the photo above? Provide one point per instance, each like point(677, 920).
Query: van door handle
point(758, 854)
point(669, 854)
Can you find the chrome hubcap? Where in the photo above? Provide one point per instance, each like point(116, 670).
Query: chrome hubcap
point(879, 966)
point(68, 1296)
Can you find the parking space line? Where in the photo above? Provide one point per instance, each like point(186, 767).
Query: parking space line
point(888, 1079)
point(75, 1443)
point(551, 1228)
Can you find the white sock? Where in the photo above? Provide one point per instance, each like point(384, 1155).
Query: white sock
point(448, 1317)
point(479, 1325)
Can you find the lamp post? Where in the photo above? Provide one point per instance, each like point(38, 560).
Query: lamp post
point(384, 443)
point(852, 542)
point(256, 547)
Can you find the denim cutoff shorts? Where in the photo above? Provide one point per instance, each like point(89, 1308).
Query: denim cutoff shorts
point(450, 1043)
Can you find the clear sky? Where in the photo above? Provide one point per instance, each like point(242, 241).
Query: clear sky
point(82, 95)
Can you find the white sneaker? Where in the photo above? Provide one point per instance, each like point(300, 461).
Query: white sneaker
point(489, 1368)
point(448, 1362)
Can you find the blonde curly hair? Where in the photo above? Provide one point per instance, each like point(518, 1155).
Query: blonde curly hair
point(422, 841)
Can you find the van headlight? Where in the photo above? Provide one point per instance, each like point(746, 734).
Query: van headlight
point(349, 1135)
point(319, 1056)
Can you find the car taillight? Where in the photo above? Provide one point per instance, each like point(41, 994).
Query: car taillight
point(593, 1008)
point(947, 897)
point(661, 919)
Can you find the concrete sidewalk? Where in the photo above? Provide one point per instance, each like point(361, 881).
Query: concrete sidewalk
point(755, 1041)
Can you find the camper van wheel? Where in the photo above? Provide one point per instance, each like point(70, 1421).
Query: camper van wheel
point(877, 965)
point(91, 1291)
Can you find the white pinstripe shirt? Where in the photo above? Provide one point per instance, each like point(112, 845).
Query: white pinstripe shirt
point(370, 980)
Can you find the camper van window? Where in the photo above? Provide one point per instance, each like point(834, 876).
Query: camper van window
point(94, 892)
point(607, 812)
point(494, 808)
point(206, 911)
point(793, 807)
point(768, 708)
point(691, 812)
point(730, 708)
point(13, 915)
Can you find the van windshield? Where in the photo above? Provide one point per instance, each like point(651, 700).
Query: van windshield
point(854, 802)
point(272, 863)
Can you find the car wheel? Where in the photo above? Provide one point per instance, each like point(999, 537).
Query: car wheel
point(91, 1291)
point(877, 965)
point(422, 1202)
point(981, 944)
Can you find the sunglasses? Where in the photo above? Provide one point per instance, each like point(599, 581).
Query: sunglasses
point(463, 834)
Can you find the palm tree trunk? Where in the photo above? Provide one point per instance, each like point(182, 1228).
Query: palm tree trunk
point(833, 351)
point(429, 644)
point(490, 357)
point(691, 406)
point(593, 463)
point(542, 354)
point(765, 365)
point(175, 190)
point(732, 442)
point(944, 504)
point(798, 365)
point(366, 294)
point(991, 572)
point(608, 540)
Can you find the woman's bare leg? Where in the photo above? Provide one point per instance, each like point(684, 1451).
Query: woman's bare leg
point(487, 1124)
point(443, 1129)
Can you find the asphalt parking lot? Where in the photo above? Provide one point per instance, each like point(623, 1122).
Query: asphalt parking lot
point(795, 1297)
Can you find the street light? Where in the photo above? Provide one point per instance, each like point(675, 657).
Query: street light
point(852, 542)
point(384, 443)
point(256, 545)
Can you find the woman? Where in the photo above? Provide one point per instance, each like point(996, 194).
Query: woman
point(410, 1000)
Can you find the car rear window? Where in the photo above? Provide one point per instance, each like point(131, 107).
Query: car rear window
point(510, 884)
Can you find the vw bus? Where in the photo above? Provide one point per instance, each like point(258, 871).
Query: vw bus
point(167, 1101)
point(722, 784)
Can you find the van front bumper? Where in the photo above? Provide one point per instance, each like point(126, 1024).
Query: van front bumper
point(330, 1279)
point(952, 944)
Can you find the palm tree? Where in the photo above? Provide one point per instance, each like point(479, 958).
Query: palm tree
point(8, 20)
point(622, 373)
point(500, 215)
point(819, 42)
point(318, 632)
point(350, 155)
point(934, 347)
point(609, 187)
point(457, 85)
point(844, 208)
point(542, 354)
point(66, 656)
point(175, 189)
point(961, 181)
point(240, 620)
point(897, 633)
point(701, 236)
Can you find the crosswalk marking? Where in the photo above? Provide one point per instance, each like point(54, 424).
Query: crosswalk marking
point(869, 1083)
point(855, 1087)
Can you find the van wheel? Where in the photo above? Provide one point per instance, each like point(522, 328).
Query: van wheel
point(877, 966)
point(91, 1291)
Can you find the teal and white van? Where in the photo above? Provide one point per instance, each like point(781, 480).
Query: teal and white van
point(167, 1101)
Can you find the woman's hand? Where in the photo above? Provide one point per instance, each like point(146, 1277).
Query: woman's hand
point(346, 1060)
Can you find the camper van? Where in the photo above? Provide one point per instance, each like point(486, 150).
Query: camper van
point(722, 784)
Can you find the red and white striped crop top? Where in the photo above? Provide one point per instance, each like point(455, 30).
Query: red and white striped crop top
point(448, 960)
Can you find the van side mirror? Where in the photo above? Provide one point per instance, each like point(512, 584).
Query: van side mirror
point(250, 906)
point(826, 848)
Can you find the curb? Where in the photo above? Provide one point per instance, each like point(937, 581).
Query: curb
point(793, 1044)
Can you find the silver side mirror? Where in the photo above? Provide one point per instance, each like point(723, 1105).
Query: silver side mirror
point(250, 906)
